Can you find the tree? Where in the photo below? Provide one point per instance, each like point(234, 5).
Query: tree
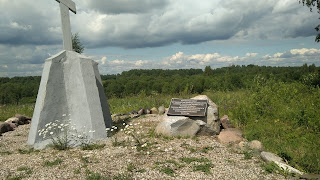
point(311, 4)
point(76, 44)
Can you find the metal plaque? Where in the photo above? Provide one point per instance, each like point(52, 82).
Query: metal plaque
point(188, 107)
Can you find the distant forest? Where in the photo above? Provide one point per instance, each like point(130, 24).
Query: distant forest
point(22, 90)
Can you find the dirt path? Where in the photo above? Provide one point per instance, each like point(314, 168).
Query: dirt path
point(161, 158)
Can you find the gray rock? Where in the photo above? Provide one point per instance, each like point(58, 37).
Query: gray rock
point(140, 111)
point(225, 122)
point(270, 157)
point(12, 120)
point(212, 117)
point(177, 126)
point(255, 145)
point(161, 110)
point(310, 176)
point(147, 111)
point(5, 127)
point(154, 111)
point(230, 136)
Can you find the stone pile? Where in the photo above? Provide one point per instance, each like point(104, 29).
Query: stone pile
point(13, 122)
point(134, 114)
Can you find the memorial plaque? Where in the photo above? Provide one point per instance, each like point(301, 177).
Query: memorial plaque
point(188, 107)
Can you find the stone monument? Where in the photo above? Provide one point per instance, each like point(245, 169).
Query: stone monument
point(190, 117)
point(70, 94)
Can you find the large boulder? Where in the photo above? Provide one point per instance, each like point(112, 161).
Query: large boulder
point(211, 119)
point(5, 127)
point(177, 126)
point(230, 136)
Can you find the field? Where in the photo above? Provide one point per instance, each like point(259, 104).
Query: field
point(278, 106)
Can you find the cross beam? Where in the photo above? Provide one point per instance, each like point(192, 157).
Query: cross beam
point(65, 6)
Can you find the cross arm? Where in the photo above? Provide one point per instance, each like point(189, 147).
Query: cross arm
point(70, 4)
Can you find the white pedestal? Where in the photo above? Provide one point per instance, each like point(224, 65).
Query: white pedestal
point(71, 92)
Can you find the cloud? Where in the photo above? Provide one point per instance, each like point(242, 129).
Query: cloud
point(154, 23)
point(125, 6)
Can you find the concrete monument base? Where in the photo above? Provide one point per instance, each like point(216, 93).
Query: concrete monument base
point(70, 93)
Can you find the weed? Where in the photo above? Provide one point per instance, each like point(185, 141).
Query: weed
point(15, 178)
point(248, 154)
point(193, 159)
point(271, 167)
point(206, 149)
point(92, 146)
point(167, 170)
point(52, 163)
point(175, 163)
point(130, 167)
point(203, 167)
point(5, 153)
point(29, 151)
point(77, 171)
point(95, 176)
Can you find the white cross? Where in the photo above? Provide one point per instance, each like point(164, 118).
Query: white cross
point(65, 5)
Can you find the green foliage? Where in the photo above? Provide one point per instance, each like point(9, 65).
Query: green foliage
point(52, 163)
point(167, 170)
point(76, 44)
point(193, 159)
point(271, 167)
point(203, 167)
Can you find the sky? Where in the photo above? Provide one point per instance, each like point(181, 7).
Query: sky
point(160, 34)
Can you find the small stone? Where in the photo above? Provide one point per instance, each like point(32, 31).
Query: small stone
point(140, 111)
point(154, 110)
point(12, 120)
point(5, 127)
point(147, 111)
point(256, 145)
point(225, 122)
point(161, 110)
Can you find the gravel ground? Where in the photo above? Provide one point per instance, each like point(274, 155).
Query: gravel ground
point(160, 159)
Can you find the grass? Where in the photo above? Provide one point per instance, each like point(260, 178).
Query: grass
point(204, 168)
point(189, 160)
point(9, 111)
point(284, 117)
point(52, 163)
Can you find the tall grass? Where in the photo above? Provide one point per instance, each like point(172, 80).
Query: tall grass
point(8, 111)
point(284, 117)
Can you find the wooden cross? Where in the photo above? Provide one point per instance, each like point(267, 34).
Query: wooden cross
point(65, 5)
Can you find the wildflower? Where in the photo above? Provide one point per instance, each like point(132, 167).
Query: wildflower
point(121, 129)
point(124, 124)
point(107, 129)
point(138, 132)
point(115, 127)
point(59, 127)
point(148, 152)
point(51, 133)
point(64, 115)
point(111, 130)
point(39, 134)
point(79, 136)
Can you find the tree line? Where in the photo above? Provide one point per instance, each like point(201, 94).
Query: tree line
point(22, 90)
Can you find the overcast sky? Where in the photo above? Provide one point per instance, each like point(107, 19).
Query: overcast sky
point(169, 34)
